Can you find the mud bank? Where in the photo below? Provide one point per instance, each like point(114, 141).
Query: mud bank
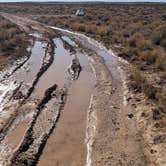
point(35, 138)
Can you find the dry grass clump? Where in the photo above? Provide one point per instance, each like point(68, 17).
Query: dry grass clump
point(137, 80)
point(12, 39)
point(79, 27)
point(102, 31)
point(139, 84)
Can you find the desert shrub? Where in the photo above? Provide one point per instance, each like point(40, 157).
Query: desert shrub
point(13, 41)
point(148, 56)
point(160, 36)
point(137, 80)
point(79, 27)
point(161, 60)
point(129, 53)
point(150, 91)
point(140, 84)
point(162, 103)
point(133, 39)
point(90, 29)
point(138, 41)
point(102, 31)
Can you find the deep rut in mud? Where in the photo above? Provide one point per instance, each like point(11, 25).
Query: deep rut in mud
point(40, 88)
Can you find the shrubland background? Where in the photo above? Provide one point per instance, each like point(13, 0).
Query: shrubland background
point(13, 42)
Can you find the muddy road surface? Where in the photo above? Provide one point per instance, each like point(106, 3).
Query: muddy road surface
point(49, 119)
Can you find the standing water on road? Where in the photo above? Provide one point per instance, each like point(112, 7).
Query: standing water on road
point(67, 143)
point(57, 72)
point(29, 70)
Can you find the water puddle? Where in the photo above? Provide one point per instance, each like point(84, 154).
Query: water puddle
point(110, 59)
point(67, 143)
point(29, 70)
point(36, 35)
point(57, 72)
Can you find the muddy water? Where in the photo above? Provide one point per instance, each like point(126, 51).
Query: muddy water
point(110, 59)
point(26, 74)
point(57, 72)
point(66, 146)
point(28, 71)
point(67, 143)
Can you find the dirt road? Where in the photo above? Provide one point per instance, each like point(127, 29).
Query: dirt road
point(84, 122)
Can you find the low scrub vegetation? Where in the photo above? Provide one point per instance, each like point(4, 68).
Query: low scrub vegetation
point(13, 41)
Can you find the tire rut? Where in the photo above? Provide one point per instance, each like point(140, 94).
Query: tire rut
point(35, 137)
point(47, 61)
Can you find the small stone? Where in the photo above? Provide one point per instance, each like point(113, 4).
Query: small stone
point(130, 115)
